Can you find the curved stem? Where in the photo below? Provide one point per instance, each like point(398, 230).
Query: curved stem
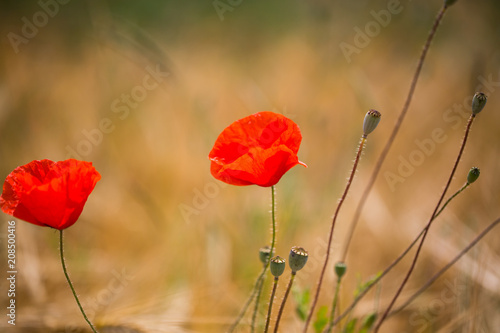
point(269, 311)
point(61, 251)
point(415, 258)
point(330, 237)
point(392, 137)
point(451, 198)
point(447, 266)
point(280, 313)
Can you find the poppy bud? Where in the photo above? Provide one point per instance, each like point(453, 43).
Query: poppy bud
point(478, 102)
point(278, 265)
point(264, 254)
point(298, 258)
point(371, 121)
point(473, 175)
point(340, 269)
point(448, 3)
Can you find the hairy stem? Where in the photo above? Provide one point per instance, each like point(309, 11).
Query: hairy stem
point(260, 280)
point(395, 262)
point(280, 312)
point(330, 237)
point(392, 137)
point(422, 240)
point(271, 301)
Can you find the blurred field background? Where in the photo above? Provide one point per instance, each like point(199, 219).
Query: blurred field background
point(163, 247)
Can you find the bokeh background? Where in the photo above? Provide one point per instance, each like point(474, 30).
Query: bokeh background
point(142, 89)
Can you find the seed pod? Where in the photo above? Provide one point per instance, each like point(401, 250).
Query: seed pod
point(448, 3)
point(277, 266)
point(298, 258)
point(264, 254)
point(372, 118)
point(473, 175)
point(478, 102)
point(340, 269)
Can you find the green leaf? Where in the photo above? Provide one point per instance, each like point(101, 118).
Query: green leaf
point(302, 299)
point(321, 319)
point(368, 323)
point(351, 325)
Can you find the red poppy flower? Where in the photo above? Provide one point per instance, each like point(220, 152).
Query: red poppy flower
point(48, 193)
point(257, 149)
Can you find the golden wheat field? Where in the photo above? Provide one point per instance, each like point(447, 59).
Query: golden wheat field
point(143, 89)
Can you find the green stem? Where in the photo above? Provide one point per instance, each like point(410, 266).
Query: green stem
point(248, 301)
point(259, 283)
point(334, 305)
point(280, 313)
point(71, 284)
point(273, 218)
point(273, 241)
point(268, 320)
point(451, 198)
point(256, 307)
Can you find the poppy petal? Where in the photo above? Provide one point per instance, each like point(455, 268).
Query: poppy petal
point(258, 149)
point(48, 193)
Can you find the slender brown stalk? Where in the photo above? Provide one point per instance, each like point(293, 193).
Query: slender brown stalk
point(445, 268)
point(271, 301)
point(282, 307)
point(330, 237)
point(392, 137)
point(61, 249)
point(396, 261)
point(415, 258)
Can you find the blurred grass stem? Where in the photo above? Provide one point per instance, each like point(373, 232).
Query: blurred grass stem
point(426, 229)
point(393, 135)
point(334, 306)
point(257, 301)
point(395, 262)
point(445, 268)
